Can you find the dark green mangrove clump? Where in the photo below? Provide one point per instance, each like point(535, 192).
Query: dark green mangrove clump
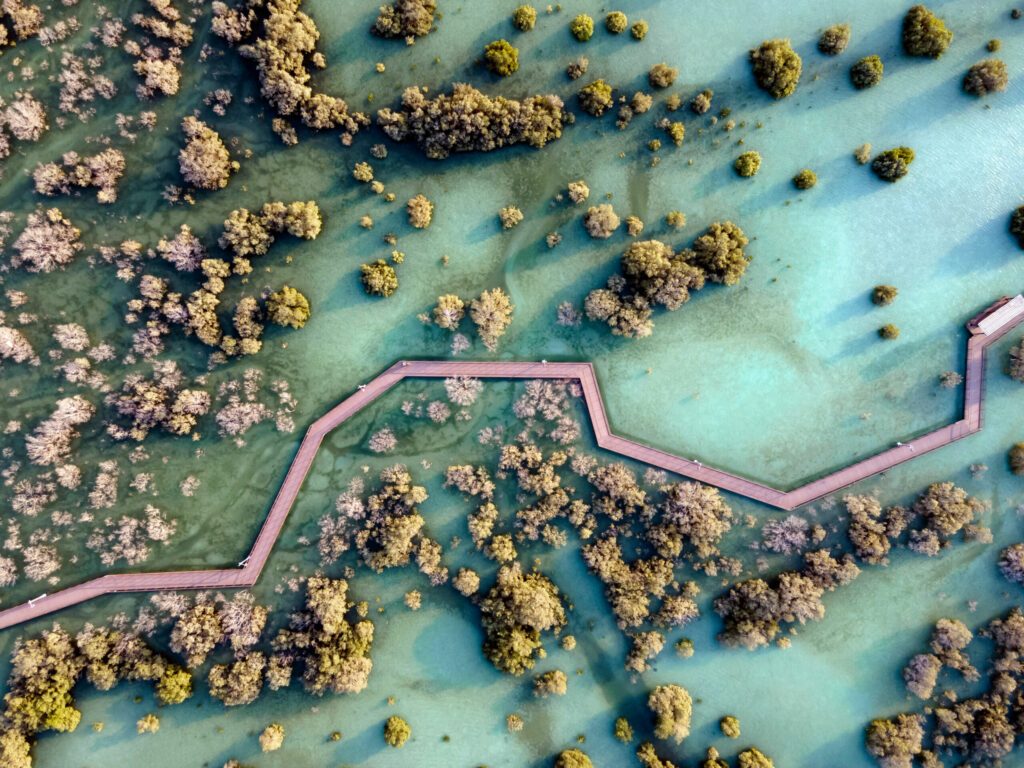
point(1017, 225)
point(501, 58)
point(616, 22)
point(748, 164)
point(582, 27)
point(596, 98)
point(719, 252)
point(406, 18)
point(889, 332)
point(985, 77)
point(514, 613)
point(573, 758)
point(893, 164)
point(1016, 458)
point(46, 668)
point(379, 278)
point(924, 33)
point(883, 295)
point(867, 73)
point(834, 40)
point(467, 120)
point(331, 649)
point(777, 67)
point(805, 179)
point(524, 18)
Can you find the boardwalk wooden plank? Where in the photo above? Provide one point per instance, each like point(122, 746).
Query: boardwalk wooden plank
point(252, 566)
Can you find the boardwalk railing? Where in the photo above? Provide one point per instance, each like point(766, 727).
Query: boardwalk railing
point(252, 566)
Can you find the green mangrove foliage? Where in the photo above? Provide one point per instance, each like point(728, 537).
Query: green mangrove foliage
point(46, 668)
point(582, 27)
point(777, 67)
point(924, 33)
point(501, 57)
point(524, 18)
point(806, 179)
point(653, 274)
point(748, 164)
point(834, 39)
point(515, 612)
point(867, 73)
point(893, 164)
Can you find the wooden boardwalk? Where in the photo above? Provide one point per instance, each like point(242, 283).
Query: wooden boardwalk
point(249, 570)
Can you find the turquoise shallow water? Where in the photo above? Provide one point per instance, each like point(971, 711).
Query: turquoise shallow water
point(772, 378)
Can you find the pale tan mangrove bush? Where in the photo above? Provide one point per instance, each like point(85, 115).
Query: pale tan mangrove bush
point(272, 738)
point(601, 221)
point(48, 242)
point(662, 76)
point(672, 708)
point(985, 77)
point(101, 171)
point(491, 313)
point(204, 161)
point(279, 39)
point(420, 211)
point(467, 120)
point(524, 18)
point(406, 18)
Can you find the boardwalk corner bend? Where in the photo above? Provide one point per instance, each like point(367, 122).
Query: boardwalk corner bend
point(984, 329)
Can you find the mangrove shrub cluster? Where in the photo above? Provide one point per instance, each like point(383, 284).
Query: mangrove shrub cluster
point(653, 274)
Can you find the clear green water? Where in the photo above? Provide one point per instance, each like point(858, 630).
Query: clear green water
point(769, 379)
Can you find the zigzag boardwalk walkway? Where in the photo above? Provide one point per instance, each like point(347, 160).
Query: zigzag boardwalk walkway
point(985, 329)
